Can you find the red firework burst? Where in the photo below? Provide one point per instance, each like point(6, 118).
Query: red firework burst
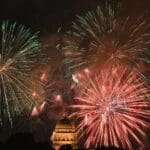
point(112, 108)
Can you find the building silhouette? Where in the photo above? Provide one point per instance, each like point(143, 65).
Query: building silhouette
point(65, 135)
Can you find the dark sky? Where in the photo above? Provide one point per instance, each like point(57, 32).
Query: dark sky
point(48, 15)
point(45, 14)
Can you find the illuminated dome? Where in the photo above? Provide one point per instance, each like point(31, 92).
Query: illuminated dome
point(65, 134)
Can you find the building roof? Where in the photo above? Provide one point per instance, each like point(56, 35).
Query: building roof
point(64, 124)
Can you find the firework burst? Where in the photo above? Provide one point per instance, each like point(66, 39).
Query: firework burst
point(111, 108)
point(18, 51)
point(102, 37)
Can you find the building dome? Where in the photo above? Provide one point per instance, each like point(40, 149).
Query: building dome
point(65, 134)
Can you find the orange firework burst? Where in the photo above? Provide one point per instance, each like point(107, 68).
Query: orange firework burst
point(101, 37)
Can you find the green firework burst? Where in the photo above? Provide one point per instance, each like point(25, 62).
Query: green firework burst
point(18, 51)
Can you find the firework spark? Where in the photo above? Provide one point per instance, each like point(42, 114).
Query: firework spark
point(112, 108)
point(101, 37)
point(18, 51)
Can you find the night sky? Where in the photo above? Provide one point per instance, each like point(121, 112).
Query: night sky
point(47, 16)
